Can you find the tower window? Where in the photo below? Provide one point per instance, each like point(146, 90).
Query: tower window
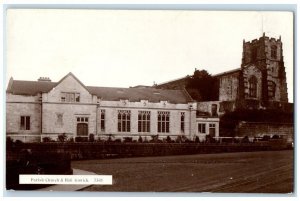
point(271, 89)
point(254, 53)
point(253, 87)
point(274, 52)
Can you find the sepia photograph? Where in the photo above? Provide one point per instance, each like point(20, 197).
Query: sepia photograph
point(192, 101)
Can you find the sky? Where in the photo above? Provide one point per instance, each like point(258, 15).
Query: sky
point(122, 48)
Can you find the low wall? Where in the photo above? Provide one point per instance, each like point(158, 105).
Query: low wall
point(98, 150)
point(259, 129)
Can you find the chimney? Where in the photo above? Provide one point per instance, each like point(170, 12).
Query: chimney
point(44, 79)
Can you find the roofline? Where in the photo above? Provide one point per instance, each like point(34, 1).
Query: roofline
point(187, 93)
point(174, 80)
point(10, 82)
point(71, 74)
point(227, 72)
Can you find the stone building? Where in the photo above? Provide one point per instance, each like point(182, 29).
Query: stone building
point(258, 84)
point(39, 109)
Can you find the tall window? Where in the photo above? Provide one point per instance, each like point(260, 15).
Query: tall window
point(144, 121)
point(214, 108)
point(102, 120)
point(253, 87)
point(25, 123)
point(163, 122)
point(201, 128)
point(123, 121)
point(254, 53)
point(70, 97)
point(273, 51)
point(182, 122)
point(271, 89)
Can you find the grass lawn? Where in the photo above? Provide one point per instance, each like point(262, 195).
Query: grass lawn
point(246, 172)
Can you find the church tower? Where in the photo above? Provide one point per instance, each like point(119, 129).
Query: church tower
point(263, 76)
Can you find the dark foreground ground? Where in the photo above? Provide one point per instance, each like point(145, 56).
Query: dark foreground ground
point(246, 172)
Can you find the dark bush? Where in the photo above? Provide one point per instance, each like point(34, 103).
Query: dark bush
point(9, 142)
point(245, 139)
point(109, 139)
point(275, 137)
point(168, 140)
point(178, 139)
point(91, 138)
point(81, 139)
point(118, 140)
point(209, 139)
point(154, 138)
point(18, 143)
point(127, 139)
point(71, 139)
point(197, 140)
point(140, 139)
point(266, 138)
point(62, 137)
point(46, 139)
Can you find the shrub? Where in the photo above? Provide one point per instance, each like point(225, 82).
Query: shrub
point(9, 143)
point(46, 139)
point(81, 139)
point(197, 140)
point(140, 139)
point(275, 137)
point(71, 139)
point(245, 139)
point(179, 139)
point(118, 140)
point(91, 137)
point(266, 138)
point(109, 139)
point(18, 142)
point(169, 140)
point(154, 138)
point(127, 139)
point(209, 139)
point(62, 137)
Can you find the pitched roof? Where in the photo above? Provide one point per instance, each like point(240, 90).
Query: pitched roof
point(20, 87)
point(227, 72)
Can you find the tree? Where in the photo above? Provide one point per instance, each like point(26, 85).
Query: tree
point(203, 87)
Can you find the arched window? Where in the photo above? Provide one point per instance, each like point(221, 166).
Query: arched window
point(273, 51)
point(271, 89)
point(253, 87)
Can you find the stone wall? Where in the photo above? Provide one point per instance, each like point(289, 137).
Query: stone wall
point(259, 129)
point(229, 86)
point(111, 116)
point(17, 106)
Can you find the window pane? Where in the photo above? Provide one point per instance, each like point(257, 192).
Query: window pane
point(27, 123)
point(128, 126)
point(159, 127)
point(77, 98)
